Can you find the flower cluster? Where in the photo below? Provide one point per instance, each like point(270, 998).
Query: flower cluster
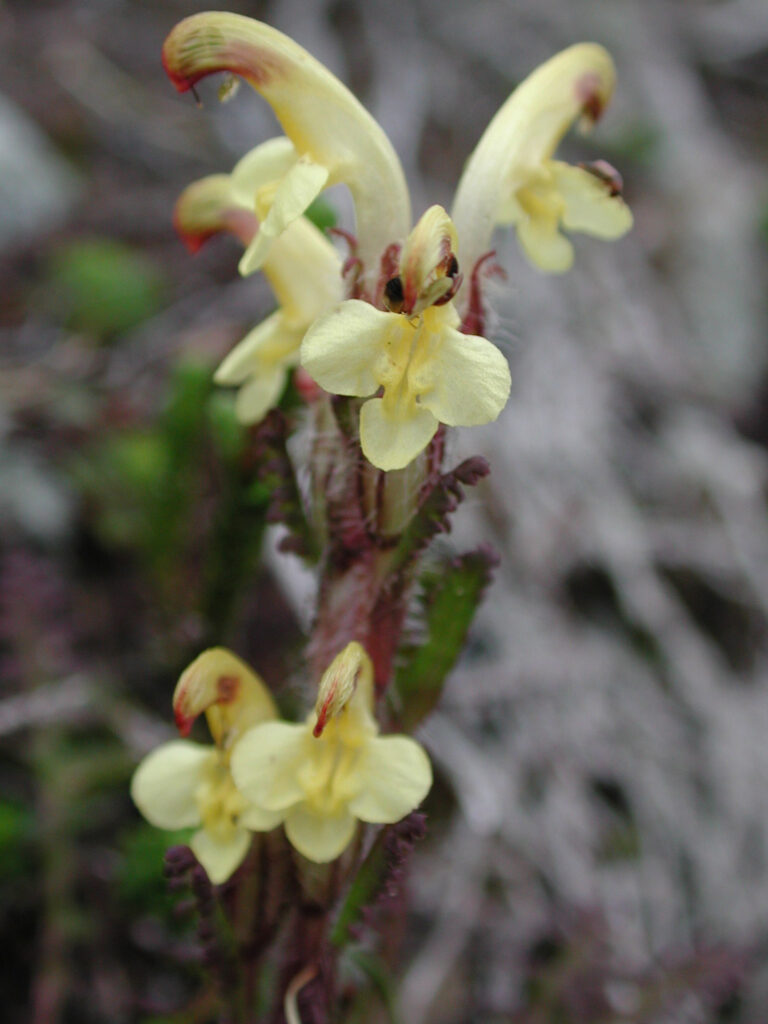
point(398, 325)
point(318, 778)
point(403, 339)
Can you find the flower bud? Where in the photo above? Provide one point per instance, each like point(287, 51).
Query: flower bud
point(339, 683)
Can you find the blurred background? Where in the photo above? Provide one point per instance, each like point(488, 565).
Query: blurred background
point(598, 844)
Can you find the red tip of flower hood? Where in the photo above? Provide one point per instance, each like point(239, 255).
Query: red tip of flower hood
point(193, 240)
point(195, 49)
point(322, 719)
point(183, 722)
point(181, 82)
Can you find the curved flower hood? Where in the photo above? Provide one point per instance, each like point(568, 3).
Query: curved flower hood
point(511, 177)
point(336, 139)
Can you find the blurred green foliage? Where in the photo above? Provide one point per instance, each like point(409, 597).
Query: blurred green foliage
point(637, 142)
point(15, 831)
point(185, 496)
point(322, 214)
point(139, 481)
point(139, 877)
point(101, 286)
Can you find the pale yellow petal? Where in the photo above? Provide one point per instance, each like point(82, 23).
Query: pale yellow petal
point(589, 205)
point(258, 820)
point(300, 186)
point(260, 363)
point(266, 764)
point(392, 435)
point(396, 776)
point(510, 211)
point(321, 117)
point(544, 246)
point(522, 135)
point(260, 394)
point(220, 858)
point(163, 787)
point(304, 271)
point(261, 166)
point(247, 357)
point(343, 349)
point(320, 837)
point(462, 379)
point(233, 697)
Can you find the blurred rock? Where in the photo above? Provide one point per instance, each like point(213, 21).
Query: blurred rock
point(37, 186)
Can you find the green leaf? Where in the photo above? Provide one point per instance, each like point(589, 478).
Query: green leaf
point(379, 877)
point(378, 974)
point(362, 892)
point(450, 596)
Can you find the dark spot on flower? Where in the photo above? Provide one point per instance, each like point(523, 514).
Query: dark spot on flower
point(451, 267)
point(607, 174)
point(588, 89)
point(394, 297)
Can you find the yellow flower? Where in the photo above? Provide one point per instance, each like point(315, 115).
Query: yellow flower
point(184, 784)
point(323, 775)
point(336, 140)
point(430, 372)
point(301, 265)
point(511, 177)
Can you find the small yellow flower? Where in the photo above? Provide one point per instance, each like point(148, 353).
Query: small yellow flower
point(430, 372)
point(323, 775)
point(511, 177)
point(301, 265)
point(336, 140)
point(184, 784)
